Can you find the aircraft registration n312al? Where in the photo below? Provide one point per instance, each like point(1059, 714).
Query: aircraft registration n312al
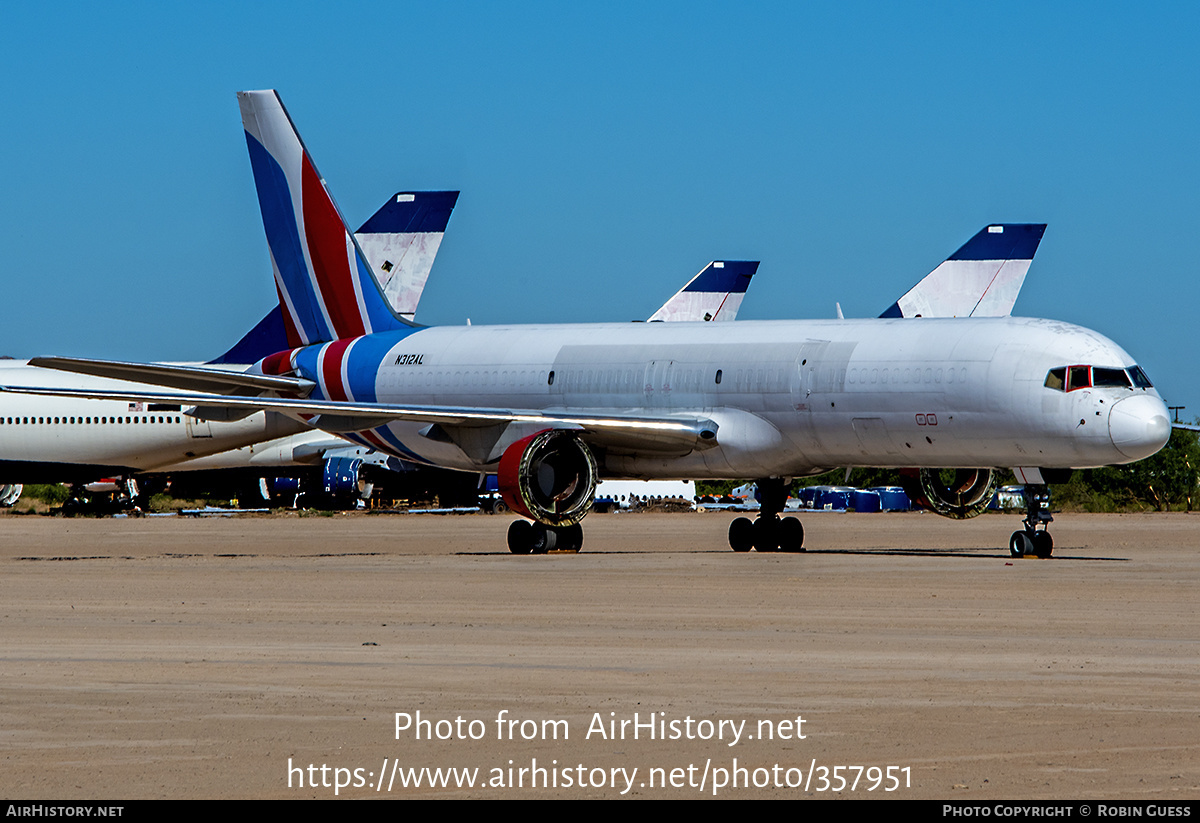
point(551, 408)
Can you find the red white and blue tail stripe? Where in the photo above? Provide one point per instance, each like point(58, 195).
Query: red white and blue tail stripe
point(326, 289)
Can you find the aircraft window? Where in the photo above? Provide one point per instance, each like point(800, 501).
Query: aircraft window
point(1078, 377)
point(1139, 377)
point(1057, 379)
point(718, 377)
point(1110, 378)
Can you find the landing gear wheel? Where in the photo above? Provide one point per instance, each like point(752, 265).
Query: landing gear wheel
point(791, 535)
point(520, 537)
point(741, 535)
point(570, 538)
point(766, 534)
point(544, 538)
point(1020, 544)
point(1043, 544)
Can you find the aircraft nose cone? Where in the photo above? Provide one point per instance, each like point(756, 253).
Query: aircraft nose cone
point(1139, 426)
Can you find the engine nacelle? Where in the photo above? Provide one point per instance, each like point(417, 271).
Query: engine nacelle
point(343, 477)
point(9, 495)
point(965, 495)
point(549, 477)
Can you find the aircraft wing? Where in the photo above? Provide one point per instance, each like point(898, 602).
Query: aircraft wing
point(195, 378)
point(611, 428)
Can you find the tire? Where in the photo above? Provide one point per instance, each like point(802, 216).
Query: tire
point(766, 534)
point(791, 535)
point(741, 535)
point(1020, 544)
point(1043, 544)
point(520, 537)
point(570, 538)
point(544, 538)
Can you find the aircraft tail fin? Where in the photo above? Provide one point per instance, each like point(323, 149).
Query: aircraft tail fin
point(981, 279)
point(326, 289)
point(400, 242)
point(714, 294)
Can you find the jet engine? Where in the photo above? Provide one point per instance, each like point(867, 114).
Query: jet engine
point(9, 495)
point(955, 493)
point(342, 477)
point(549, 477)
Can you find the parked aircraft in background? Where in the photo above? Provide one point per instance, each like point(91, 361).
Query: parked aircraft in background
point(552, 407)
point(981, 279)
point(715, 293)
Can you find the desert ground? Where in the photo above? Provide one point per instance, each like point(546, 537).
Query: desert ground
point(182, 657)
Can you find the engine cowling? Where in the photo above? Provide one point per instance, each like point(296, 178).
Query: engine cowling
point(343, 477)
point(966, 493)
point(9, 495)
point(549, 477)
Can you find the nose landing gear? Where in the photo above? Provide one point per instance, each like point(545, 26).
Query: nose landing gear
point(1031, 541)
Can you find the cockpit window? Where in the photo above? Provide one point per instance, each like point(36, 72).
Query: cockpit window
point(1070, 378)
point(1079, 377)
point(1110, 378)
point(1139, 377)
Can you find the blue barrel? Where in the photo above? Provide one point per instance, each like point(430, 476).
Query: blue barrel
point(892, 498)
point(865, 500)
point(835, 499)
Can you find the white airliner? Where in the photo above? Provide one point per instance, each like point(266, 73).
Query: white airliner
point(981, 279)
point(552, 407)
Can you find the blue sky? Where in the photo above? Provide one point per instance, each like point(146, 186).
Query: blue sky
point(605, 152)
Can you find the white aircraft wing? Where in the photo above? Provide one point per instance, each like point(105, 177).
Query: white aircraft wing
point(609, 427)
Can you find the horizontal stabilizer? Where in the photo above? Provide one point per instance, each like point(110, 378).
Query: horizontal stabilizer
point(193, 378)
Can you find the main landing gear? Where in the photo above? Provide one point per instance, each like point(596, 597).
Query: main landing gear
point(768, 532)
point(538, 538)
point(1030, 540)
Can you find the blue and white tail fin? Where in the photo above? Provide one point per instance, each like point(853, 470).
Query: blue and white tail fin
point(326, 289)
point(400, 242)
point(714, 294)
point(982, 279)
